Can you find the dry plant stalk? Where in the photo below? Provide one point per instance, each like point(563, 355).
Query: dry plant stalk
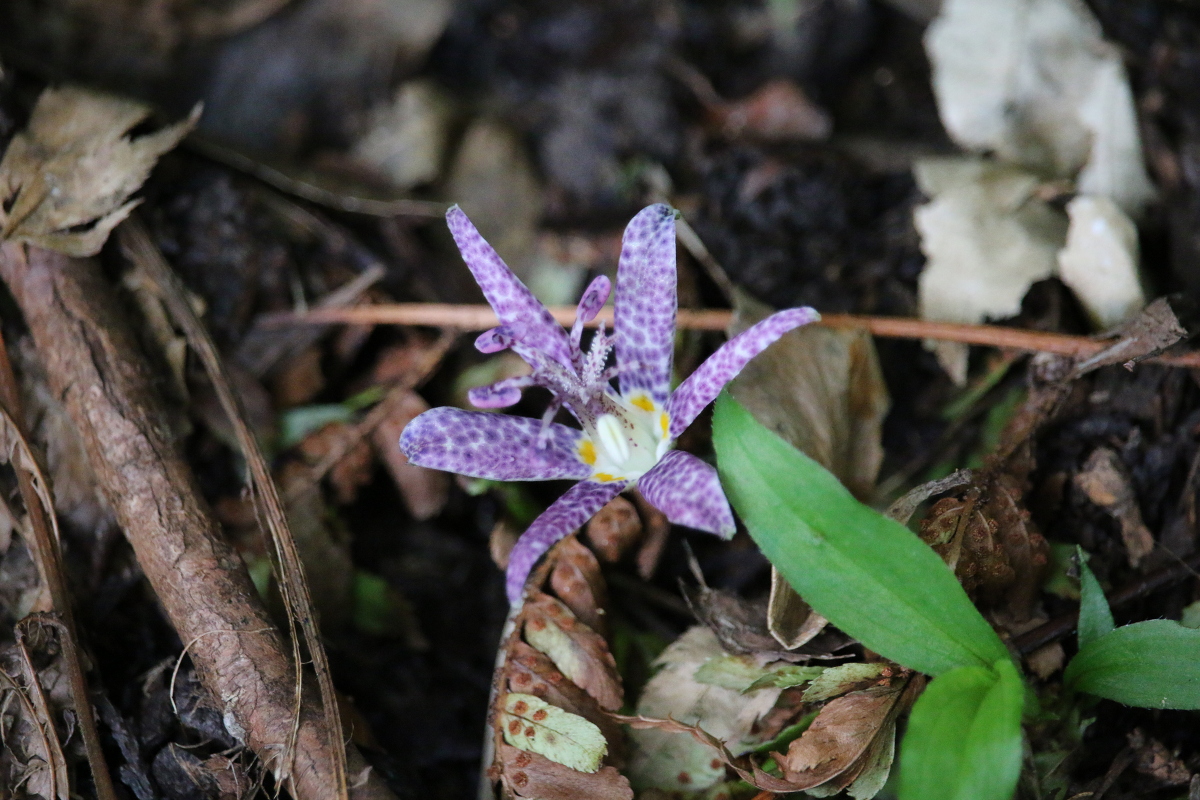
point(293, 584)
point(36, 494)
point(92, 362)
point(481, 318)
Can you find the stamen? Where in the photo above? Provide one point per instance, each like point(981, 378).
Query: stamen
point(612, 438)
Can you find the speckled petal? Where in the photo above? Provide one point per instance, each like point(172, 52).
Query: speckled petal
point(494, 340)
point(646, 301)
point(519, 311)
point(688, 491)
point(590, 304)
point(703, 385)
point(566, 514)
point(494, 446)
point(500, 394)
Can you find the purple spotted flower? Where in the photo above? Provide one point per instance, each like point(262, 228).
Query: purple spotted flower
point(625, 436)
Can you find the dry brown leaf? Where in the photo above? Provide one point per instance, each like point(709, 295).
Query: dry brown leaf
point(424, 491)
point(1156, 761)
point(578, 651)
point(822, 390)
point(614, 529)
point(1105, 481)
point(989, 541)
point(577, 582)
point(836, 748)
point(530, 775)
point(67, 178)
point(1166, 321)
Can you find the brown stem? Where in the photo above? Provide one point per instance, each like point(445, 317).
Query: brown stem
point(94, 366)
point(481, 318)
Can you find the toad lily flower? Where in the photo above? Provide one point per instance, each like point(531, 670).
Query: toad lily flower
point(626, 436)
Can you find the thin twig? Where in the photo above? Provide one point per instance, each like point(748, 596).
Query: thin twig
point(37, 494)
point(293, 583)
point(481, 317)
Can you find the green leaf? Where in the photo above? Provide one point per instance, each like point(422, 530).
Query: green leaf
point(1095, 617)
point(869, 575)
point(841, 679)
point(964, 736)
point(532, 724)
point(730, 672)
point(1149, 664)
point(786, 677)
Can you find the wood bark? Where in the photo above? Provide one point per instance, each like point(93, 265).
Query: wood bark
point(96, 368)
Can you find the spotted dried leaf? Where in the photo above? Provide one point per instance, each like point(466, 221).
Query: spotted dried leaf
point(577, 581)
point(578, 651)
point(664, 759)
point(615, 529)
point(67, 178)
point(531, 775)
point(532, 724)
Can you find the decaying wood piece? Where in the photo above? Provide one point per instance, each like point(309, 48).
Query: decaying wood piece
point(94, 366)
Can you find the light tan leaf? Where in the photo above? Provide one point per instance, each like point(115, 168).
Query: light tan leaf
point(1036, 83)
point(1100, 262)
point(576, 649)
point(834, 749)
point(406, 139)
point(1105, 481)
point(67, 178)
point(987, 238)
point(841, 679)
point(532, 724)
point(664, 759)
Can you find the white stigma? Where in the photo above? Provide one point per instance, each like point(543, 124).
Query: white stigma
point(613, 439)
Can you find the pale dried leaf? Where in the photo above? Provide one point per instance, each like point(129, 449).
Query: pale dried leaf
point(1106, 483)
point(576, 649)
point(1100, 261)
point(67, 178)
point(406, 139)
point(1035, 83)
point(987, 238)
point(532, 724)
point(665, 760)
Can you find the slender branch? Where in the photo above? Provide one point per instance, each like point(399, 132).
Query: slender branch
point(481, 317)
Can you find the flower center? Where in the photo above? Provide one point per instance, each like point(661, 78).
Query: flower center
point(626, 442)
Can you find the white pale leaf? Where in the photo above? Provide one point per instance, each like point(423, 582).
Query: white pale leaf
point(987, 237)
point(1100, 261)
point(1035, 83)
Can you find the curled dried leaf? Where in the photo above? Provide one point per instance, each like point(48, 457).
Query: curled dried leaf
point(67, 178)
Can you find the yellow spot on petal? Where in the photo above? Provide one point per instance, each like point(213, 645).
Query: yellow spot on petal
point(587, 451)
point(664, 422)
point(604, 477)
point(643, 402)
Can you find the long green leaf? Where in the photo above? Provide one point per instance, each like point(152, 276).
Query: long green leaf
point(1095, 617)
point(1154, 664)
point(869, 575)
point(964, 736)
